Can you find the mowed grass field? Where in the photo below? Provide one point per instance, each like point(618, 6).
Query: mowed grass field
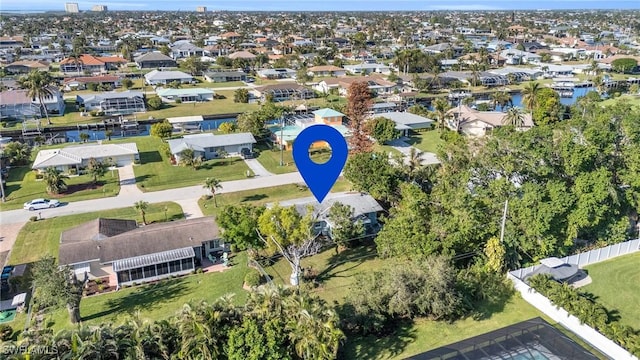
point(616, 284)
point(38, 239)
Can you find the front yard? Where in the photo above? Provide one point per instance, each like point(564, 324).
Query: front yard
point(263, 196)
point(155, 172)
point(40, 238)
point(616, 285)
point(270, 158)
point(22, 186)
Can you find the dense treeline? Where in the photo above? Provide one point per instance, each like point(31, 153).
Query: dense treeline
point(569, 184)
point(275, 323)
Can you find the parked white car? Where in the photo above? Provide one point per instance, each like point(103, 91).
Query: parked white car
point(38, 204)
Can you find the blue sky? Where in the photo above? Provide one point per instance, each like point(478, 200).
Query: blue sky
point(324, 5)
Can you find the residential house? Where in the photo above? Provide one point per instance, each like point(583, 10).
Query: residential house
point(161, 77)
point(26, 66)
point(445, 48)
point(155, 60)
point(77, 156)
point(341, 85)
point(224, 76)
point(81, 83)
point(91, 64)
point(368, 68)
point(278, 73)
point(327, 70)
point(130, 254)
point(282, 92)
point(478, 123)
point(242, 55)
point(382, 108)
point(11, 42)
point(16, 104)
point(184, 49)
point(185, 95)
point(286, 135)
point(518, 57)
point(208, 145)
point(406, 122)
point(113, 103)
point(365, 210)
point(231, 36)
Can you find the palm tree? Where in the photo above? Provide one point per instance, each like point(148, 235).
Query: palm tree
point(414, 162)
point(475, 74)
point(530, 95)
point(38, 86)
point(514, 117)
point(441, 106)
point(141, 207)
point(212, 184)
point(54, 179)
point(500, 98)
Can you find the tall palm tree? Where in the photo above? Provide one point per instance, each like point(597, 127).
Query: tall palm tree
point(212, 184)
point(54, 180)
point(441, 106)
point(530, 95)
point(414, 162)
point(38, 86)
point(141, 207)
point(514, 117)
point(500, 98)
point(475, 74)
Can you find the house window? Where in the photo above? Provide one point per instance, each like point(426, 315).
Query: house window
point(214, 244)
point(174, 266)
point(136, 274)
point(163, 268)
point(149, 271)
point(187, 264)
point(123, 276)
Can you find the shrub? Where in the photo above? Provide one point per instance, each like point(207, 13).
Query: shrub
point(33, 218)
point(178, 101)
point(154, 103)
point(5, 332)
point(252, 278)
point(98, 281)
point(73, 171)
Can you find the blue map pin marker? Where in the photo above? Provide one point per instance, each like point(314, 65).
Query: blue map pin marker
point(320, 177)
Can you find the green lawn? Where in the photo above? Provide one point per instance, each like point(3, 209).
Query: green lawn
point(336, 275)
point(263, 196)
point(160, 300)
point(217, 106)
point(40, 238)
point(270, 159)
point(426, 140)
point(631, 99)
point(616, 283)
point(207, 84)
point(22, 186)
point(156, 172)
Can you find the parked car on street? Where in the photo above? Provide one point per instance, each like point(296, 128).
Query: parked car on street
point(38, 204)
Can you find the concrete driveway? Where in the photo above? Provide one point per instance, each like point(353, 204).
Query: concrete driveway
point(257, 168)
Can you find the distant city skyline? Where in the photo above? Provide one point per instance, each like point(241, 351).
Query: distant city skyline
point(326, 5)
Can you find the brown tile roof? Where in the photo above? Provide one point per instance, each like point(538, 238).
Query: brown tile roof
point(138, 241)
point(14, 97)
point(93, 79)
point(31, 64)
point(12, 38)
point(229, 34)
point(325, 68)
point(87, 59)
point(493, 118)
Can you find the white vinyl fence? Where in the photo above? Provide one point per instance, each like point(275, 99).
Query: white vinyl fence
point(588, 334)
point(589, 257)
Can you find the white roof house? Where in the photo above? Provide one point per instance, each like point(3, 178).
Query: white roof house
point(208, 145)
point(408, 121)
point(155, 77)
point(77, 156)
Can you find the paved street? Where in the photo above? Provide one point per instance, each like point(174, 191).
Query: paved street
point(125, 199)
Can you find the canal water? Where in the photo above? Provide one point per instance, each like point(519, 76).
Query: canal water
point(208, 125)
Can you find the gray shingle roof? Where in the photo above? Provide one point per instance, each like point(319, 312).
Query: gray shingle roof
point(153, 56)
point(150, 239)
point(360, 202)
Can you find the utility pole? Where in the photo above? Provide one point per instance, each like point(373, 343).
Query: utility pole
point(504, 220)
point(2, 187)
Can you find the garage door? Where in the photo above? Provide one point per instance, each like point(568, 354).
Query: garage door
point(124, 161)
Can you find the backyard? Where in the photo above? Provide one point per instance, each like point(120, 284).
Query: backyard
point(155, 172)
point(40, 238)
point(428, 141)
point(616, 284)
point(22, 186)
point(159, 300)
